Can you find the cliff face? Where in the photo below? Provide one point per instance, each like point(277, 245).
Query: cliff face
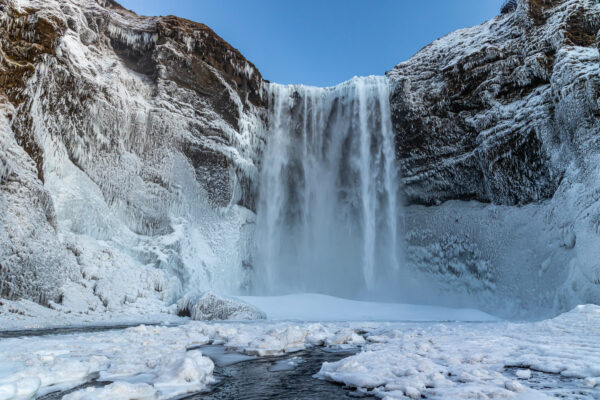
point(128, 149)
point(481, 113)
point(506, 113)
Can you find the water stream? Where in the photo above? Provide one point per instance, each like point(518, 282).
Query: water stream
point(328, 208)
point(286, 377)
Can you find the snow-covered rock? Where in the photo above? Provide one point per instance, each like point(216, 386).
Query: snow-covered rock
point(488, 112)
point(129, 147)
point(505, 114)
point(208, 306)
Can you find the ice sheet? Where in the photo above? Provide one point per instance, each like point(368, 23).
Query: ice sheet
point(318, 307)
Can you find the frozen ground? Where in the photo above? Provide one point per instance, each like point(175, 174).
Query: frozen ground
point(318, 307)
point(439, 360)
point(19, 315)
point(25, 315)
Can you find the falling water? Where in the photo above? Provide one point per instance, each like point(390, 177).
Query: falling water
point(327, 212)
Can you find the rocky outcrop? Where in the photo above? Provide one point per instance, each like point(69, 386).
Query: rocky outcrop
point(505, 114)
point(127, 143)
point(209, 306)
point(27, 215)
point(130, 148)
point(483, 113)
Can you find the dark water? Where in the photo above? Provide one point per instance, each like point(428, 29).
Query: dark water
point(59, 395)
point(67, 330)
point(253, 378)
point(555, 385)
point(273, 378)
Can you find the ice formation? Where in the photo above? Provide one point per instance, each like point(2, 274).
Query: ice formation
point(208, 306)
point(496, 135)
point(459, 362)
point(395, 361)
point(125, 183)
point(144, 158)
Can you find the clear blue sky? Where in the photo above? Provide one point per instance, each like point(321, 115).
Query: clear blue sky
point(325, 42)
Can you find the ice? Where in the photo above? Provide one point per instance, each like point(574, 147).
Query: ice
point(514, 386)
point(187, 374)
point(131, 38)
point(168, 359)
point(286, 365)
point(438, 360)
point(115, 391)
point(222, 357)
point(461, 360)
point(318, 307)
point(123, 222)
point(209, 306)
point(134, 358)
point(524, 374)
point(489, 255)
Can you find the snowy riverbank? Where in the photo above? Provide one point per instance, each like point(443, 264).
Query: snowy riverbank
point(21, 315)
point(396, 359)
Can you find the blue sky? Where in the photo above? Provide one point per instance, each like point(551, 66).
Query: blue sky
point(325, 42)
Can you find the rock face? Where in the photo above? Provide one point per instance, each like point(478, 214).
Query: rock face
point(482, 113)
point(129, 147)
point(209, 306)
point(506, 113)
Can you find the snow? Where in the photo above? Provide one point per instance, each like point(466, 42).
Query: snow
point(116, 391)
point(318, 307)
point(467, 360)
point(27, 315)
point(143, 353)
point(401, 360)
point(209, 306)
point(524, 374)
point(123, 223)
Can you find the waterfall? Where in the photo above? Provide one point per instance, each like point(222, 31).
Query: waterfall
point(327, 216)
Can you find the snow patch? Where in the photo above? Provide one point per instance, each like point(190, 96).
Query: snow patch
point(318, 307)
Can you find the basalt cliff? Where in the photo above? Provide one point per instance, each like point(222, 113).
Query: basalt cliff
point(131, 146)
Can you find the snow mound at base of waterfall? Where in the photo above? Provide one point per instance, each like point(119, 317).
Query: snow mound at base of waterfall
point(319, 307)
point(208, 306)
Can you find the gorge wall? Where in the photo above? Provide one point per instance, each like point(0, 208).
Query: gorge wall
point(128, 147)
point(131, 151)
point(504, 116)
